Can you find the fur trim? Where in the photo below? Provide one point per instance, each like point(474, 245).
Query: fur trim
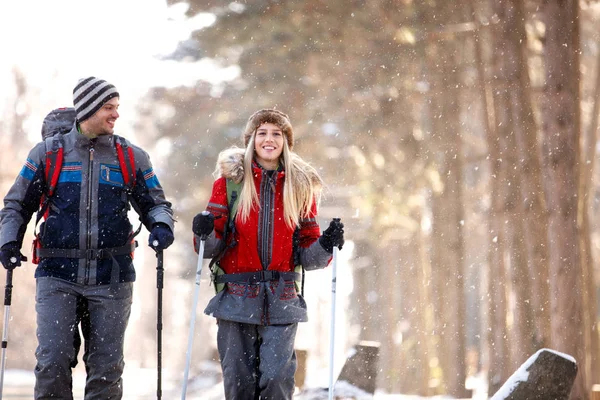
point(230, 164)
point(272, 116)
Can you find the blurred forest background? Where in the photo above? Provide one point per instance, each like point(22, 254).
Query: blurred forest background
point(458, 141)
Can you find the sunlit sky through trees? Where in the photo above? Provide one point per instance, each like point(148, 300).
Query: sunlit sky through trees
point(58, 42)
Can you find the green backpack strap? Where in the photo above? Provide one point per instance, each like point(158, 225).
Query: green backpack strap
point(233, 198)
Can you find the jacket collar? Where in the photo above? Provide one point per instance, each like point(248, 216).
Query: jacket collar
point(257, 166)
point(259, 170)
point(80, 140)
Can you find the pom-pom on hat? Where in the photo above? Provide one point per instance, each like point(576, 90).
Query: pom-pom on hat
point(90, 95)
point(272, 116)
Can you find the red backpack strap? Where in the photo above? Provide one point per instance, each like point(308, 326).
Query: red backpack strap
point(128, 170)
point(54, 162)
point(126, 162)
point(52, 167)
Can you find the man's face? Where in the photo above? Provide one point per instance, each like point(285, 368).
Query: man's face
point(103, 121)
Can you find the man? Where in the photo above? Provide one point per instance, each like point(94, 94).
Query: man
point(85, 245)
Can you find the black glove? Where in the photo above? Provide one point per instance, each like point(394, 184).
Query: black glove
point(10, 255)
point(160, 237)
point(333, 236)
point(203, 224)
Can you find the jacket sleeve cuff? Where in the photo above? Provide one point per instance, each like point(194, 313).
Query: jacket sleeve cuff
point(10, 233)
point(314, 257)
point(160, 214)
point(212, 245)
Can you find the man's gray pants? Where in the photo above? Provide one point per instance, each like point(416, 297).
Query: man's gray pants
point(109, 308)
point(258, 361)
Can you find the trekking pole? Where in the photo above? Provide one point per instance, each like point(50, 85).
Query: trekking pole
point(159, 284)
point(332, 326)
point(7, 300)
point(188, 354)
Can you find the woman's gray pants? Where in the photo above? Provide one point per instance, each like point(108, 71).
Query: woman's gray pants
point(109, 308)
point(258, 361)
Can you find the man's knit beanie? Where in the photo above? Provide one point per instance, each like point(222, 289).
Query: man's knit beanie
point(274, 117)
point(90, 95)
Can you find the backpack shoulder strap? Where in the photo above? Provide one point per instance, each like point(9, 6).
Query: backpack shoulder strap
point(233, 198)
point(53, 163)
point(233, 190)
point(126, 159)
point(126, 162)
point(52, 166)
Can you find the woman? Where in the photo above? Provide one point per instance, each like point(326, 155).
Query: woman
point(274, 230)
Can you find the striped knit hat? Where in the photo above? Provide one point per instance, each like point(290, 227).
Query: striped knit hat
point(90, 95)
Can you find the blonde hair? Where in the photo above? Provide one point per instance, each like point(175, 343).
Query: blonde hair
point(302, 185)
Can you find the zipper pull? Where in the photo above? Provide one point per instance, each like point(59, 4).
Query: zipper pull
point(271, 179)
point(92, 150)
point(92, 154)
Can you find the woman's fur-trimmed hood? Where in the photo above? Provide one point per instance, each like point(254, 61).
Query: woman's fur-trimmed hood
point(230, 164)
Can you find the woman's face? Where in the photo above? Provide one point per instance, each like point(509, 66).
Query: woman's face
point(268, 145)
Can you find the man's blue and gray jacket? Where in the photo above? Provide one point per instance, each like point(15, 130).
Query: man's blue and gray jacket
point(86, 233)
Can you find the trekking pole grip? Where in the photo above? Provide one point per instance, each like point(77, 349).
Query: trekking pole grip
point(204, 236)
point(159, 269)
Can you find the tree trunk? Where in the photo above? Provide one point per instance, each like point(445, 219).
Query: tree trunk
point(561, 126)
point(394, 363)
point(495, 354)
point(425, 320)
point(447, 225)
point(518, 147)
point(588, 163)
point(534, 209)
point(521, 324)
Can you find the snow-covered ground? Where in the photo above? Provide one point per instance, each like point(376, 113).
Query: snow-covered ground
point(140, 384)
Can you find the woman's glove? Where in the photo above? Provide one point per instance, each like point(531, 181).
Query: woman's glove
point(333, 236)
point(160, 237)
point(203, 224)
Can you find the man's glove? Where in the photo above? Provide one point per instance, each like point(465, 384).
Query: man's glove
point(203, 224)
point(10, 255)
point(160, 237)
point(333, 236)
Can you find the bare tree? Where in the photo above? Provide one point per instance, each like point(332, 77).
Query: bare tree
point(561, 128)
point(586, 193)
point(448, 219)
point(509, 100)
